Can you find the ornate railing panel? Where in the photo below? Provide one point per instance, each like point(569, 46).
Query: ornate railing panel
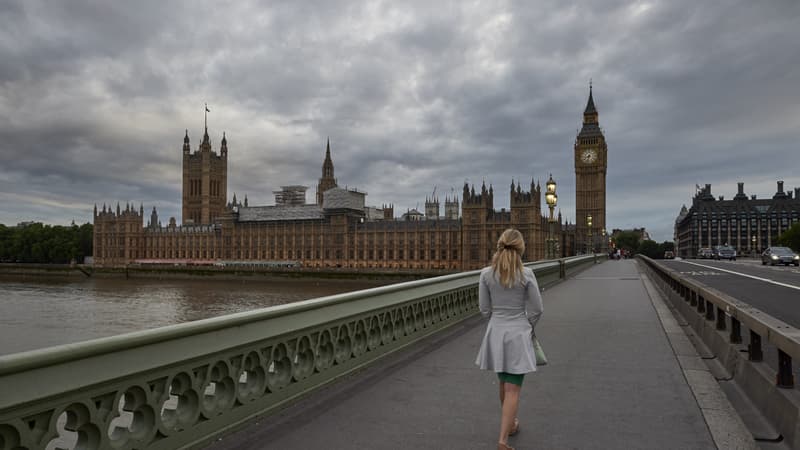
point(182, 385)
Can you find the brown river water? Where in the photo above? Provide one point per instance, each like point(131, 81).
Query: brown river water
point(38, 313)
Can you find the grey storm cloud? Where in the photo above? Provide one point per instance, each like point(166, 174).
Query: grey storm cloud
point(95, 98)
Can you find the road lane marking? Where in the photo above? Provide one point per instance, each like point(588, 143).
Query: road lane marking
point(766, 280)
point(608, 278)
point(698, 273)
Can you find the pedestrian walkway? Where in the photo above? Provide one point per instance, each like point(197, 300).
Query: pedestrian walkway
point(613, 382)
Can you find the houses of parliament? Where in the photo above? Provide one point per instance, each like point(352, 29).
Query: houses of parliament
point(339, 230)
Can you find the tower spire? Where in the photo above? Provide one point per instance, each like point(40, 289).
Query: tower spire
point(186, 147)
point(327, 181)
point(223, 148)
point(327, 165)
point(590, 109)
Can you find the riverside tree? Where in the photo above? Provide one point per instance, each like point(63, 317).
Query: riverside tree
point(44, 244)
point(791, 237)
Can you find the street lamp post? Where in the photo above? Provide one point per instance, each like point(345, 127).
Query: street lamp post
point(589, 248)
point(551, 198)
point(603, 247)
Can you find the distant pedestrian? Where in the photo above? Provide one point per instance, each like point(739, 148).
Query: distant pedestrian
point(509, 296)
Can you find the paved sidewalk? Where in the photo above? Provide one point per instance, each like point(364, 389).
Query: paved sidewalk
point(613, 382)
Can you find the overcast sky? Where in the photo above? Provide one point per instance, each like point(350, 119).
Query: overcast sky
point(95, 97)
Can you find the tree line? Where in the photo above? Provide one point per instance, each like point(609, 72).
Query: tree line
point(45, 244)
point(634, 244)
point(791, 237)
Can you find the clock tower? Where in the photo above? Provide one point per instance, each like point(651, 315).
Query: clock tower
point(591, 161)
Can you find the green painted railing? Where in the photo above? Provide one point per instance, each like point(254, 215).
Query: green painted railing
point(182, 385)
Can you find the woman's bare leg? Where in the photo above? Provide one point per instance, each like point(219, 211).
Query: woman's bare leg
point(510, 402)
point(502, 393)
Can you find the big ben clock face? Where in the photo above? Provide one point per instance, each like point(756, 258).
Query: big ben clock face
point(589, 155)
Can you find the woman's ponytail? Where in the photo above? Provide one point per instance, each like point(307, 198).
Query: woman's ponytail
point(507, 260)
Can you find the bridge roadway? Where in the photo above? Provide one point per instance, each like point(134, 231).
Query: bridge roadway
point(622, 374)
point(774, 290)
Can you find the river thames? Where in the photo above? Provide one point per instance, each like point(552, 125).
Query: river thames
point(38, 313)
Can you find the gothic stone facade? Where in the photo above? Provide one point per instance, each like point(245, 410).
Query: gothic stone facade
point(205, 181)
point(339, 230)
point(335, 234)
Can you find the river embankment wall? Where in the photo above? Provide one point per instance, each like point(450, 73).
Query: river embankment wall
point(79, 271)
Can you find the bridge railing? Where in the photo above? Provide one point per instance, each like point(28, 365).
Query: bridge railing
point(715, 315)
point(182, 385)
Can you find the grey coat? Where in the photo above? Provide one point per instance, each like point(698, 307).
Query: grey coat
point(512, 314)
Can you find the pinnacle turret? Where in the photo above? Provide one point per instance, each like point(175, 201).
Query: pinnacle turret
point(327, 181)
point(590, 109)
point(186, 147)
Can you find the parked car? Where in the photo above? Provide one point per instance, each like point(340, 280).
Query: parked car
point(779, 255)
point(725, 252)
point(669, 255)
point(705, 253)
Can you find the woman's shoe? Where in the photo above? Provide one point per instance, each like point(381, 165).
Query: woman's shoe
point(501, 446)
point(514, 428)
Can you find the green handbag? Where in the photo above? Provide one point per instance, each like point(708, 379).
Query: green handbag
point(541, 359)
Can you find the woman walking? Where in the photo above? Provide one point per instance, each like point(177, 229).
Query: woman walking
point(509, 296)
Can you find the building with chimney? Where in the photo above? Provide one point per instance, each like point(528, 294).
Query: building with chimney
point(748, 224)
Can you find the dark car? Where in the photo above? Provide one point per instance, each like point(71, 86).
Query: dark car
point(725, 252)
point(669, 255)
point(779, 255)
point(705, 253)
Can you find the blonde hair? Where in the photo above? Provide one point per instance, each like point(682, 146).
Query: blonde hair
point(507, 260)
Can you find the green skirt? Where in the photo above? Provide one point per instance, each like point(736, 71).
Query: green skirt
point(513, 378)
